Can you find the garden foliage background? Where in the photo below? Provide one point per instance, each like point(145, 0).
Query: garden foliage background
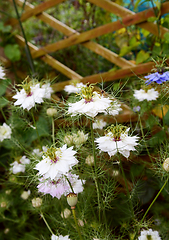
point(112, 44)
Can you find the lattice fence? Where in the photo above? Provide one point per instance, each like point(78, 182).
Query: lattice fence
point(73, 37)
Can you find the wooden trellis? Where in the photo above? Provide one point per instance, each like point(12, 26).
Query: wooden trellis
point(73, 37)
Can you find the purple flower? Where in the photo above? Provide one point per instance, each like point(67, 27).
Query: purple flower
point(157, 77)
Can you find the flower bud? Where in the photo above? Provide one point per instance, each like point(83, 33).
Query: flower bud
point(6, 231)
point(68, 139)
point(166, 165)
point(3, 204)
point(89, 160)
point(72, 199)
point(66, 213)
point(36, 202)
point(51, 112)
point(25, 194)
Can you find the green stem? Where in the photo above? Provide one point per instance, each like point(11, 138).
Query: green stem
point(53, 131)
point(28, 53)
point(151, 206)
point(3, 114)
point(77, 227)
point(36, 127)
point(95, 167)
point(69, 183)
point(127, 189)
point(141, 128)
point(46, 223)
point(93, 144)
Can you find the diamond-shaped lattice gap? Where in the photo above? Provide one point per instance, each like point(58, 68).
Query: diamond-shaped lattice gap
point(82, 60)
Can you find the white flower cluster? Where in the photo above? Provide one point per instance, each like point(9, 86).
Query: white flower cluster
point(19, 166)
point(148, 95)
point(92, 103)
point(5, 132)
point(149, 234)
point(114, 108)
point(59, 162)
point(116, 141)
point(76, 139)
point(74, 88)
point(54, 169)
point(60, 237)
point(2, 74)
point(97, 104)
point(99, 124)
point(33, 94)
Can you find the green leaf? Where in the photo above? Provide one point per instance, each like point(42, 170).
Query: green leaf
point(166, 37)
point(5, 29)
point(142, 56)
point(3, 102)
point(3, 86)
point(166, 119)
point(12, 52)
point(124, 50)
point(152, 19)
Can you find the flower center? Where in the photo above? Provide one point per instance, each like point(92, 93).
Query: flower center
point(87, 93)
point(149, 237)
point(54, 154)
point(116, 131)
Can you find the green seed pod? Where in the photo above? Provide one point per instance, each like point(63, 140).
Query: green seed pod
point(72, 199)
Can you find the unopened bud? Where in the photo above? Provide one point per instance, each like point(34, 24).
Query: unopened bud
point(68, 139)
point(66, 213)
point(166, 164)
point(89, 160)
point(25, 194)
point(6, 231)
point(3, 204)
point(36, 202)
point(51, 112)
point(72, 199)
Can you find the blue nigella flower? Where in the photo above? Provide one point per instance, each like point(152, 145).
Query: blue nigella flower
point(157, 77)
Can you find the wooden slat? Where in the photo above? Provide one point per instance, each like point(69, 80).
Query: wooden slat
point(36, 10)
point(122, 12)
point(51, 61)
point(107, 28)
point(95, 47)
point(111, 76)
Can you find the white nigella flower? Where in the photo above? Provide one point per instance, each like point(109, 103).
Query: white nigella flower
point(91, 103)
point(75, 88)
point(28, 98)
point(117, 140)
point(60, 237)
point(99, 124)
point(149, 234)
point(48, 90)
point(114, 108)
point(60, 185)
point(37, 152)
point(19, 166)
point(56, 161)
point(2, 74)
point(148, 95)
point(5, 132)
point(32, 93)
